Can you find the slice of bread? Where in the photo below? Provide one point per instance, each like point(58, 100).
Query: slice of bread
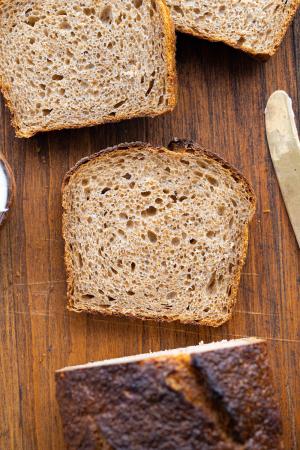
point(254, 26)
point(211, 396)
point(81, 63)
point(156, 233)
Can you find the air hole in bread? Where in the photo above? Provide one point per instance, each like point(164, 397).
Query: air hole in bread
point(151, 84)
point(213, 181)
point(241, 40)
point(130, 293)
point(65, 25)
point(46, 112)
point(210, 234)
point(117, 105)
point(32, 20)
point(89, 11)
point(159, 201)
point(149, 212)
point(61, 12)
point(57, 77)
point(106, 15)
point(106, 189)
point(132, 266)
point(127, 176)
point(193, 241)
point(202, 164)
point(87, 296)
point(221, 210)
point(146, 193)
point(152, 236)
point(212, 283)
point(178, 10)
point(137, 3)
point(184, 161)
point(130, 224)
point(175, 241)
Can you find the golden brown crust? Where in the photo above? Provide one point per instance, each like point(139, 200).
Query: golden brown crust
point(11, 187)
point(222, 399)
point(263, 56)
point(170, 42)
point(176, 146)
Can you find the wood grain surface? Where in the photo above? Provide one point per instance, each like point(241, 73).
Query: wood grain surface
point(222, 98)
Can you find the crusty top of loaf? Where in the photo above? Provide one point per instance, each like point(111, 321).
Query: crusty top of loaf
point(221, 399)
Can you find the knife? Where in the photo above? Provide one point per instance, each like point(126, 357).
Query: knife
point(284, 148)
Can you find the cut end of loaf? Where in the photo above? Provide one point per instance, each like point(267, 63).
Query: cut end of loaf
point(166, 354)
point(156, 233)
point(254, 26)
point(74, 64)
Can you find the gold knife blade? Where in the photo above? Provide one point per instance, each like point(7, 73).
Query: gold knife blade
point(284, 146)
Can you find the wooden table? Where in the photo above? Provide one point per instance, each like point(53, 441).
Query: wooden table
point(223, 94)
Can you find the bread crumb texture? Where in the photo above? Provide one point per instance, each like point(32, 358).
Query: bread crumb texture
point(156, 234)
point(255, 26)
point(71, 64)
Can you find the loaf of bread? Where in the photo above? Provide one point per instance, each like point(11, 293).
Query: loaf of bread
point(254, 26)
point(81, 63)
point(216, 396)
point(156, 233)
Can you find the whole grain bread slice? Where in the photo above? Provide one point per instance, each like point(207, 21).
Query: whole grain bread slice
point(211, 396)
point(254, 26)
point(156, 233)
point(82, 63)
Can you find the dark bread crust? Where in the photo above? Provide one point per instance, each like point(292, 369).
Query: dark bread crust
point(221, 399)
point(263, 56)
point(176, 146)
point(180, 146)
point(11, 187)
point(171, 85)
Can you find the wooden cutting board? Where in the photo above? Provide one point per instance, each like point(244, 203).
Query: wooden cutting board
point(223, 94)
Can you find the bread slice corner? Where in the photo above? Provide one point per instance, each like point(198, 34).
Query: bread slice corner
point(156, 233)
point(256, 27)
